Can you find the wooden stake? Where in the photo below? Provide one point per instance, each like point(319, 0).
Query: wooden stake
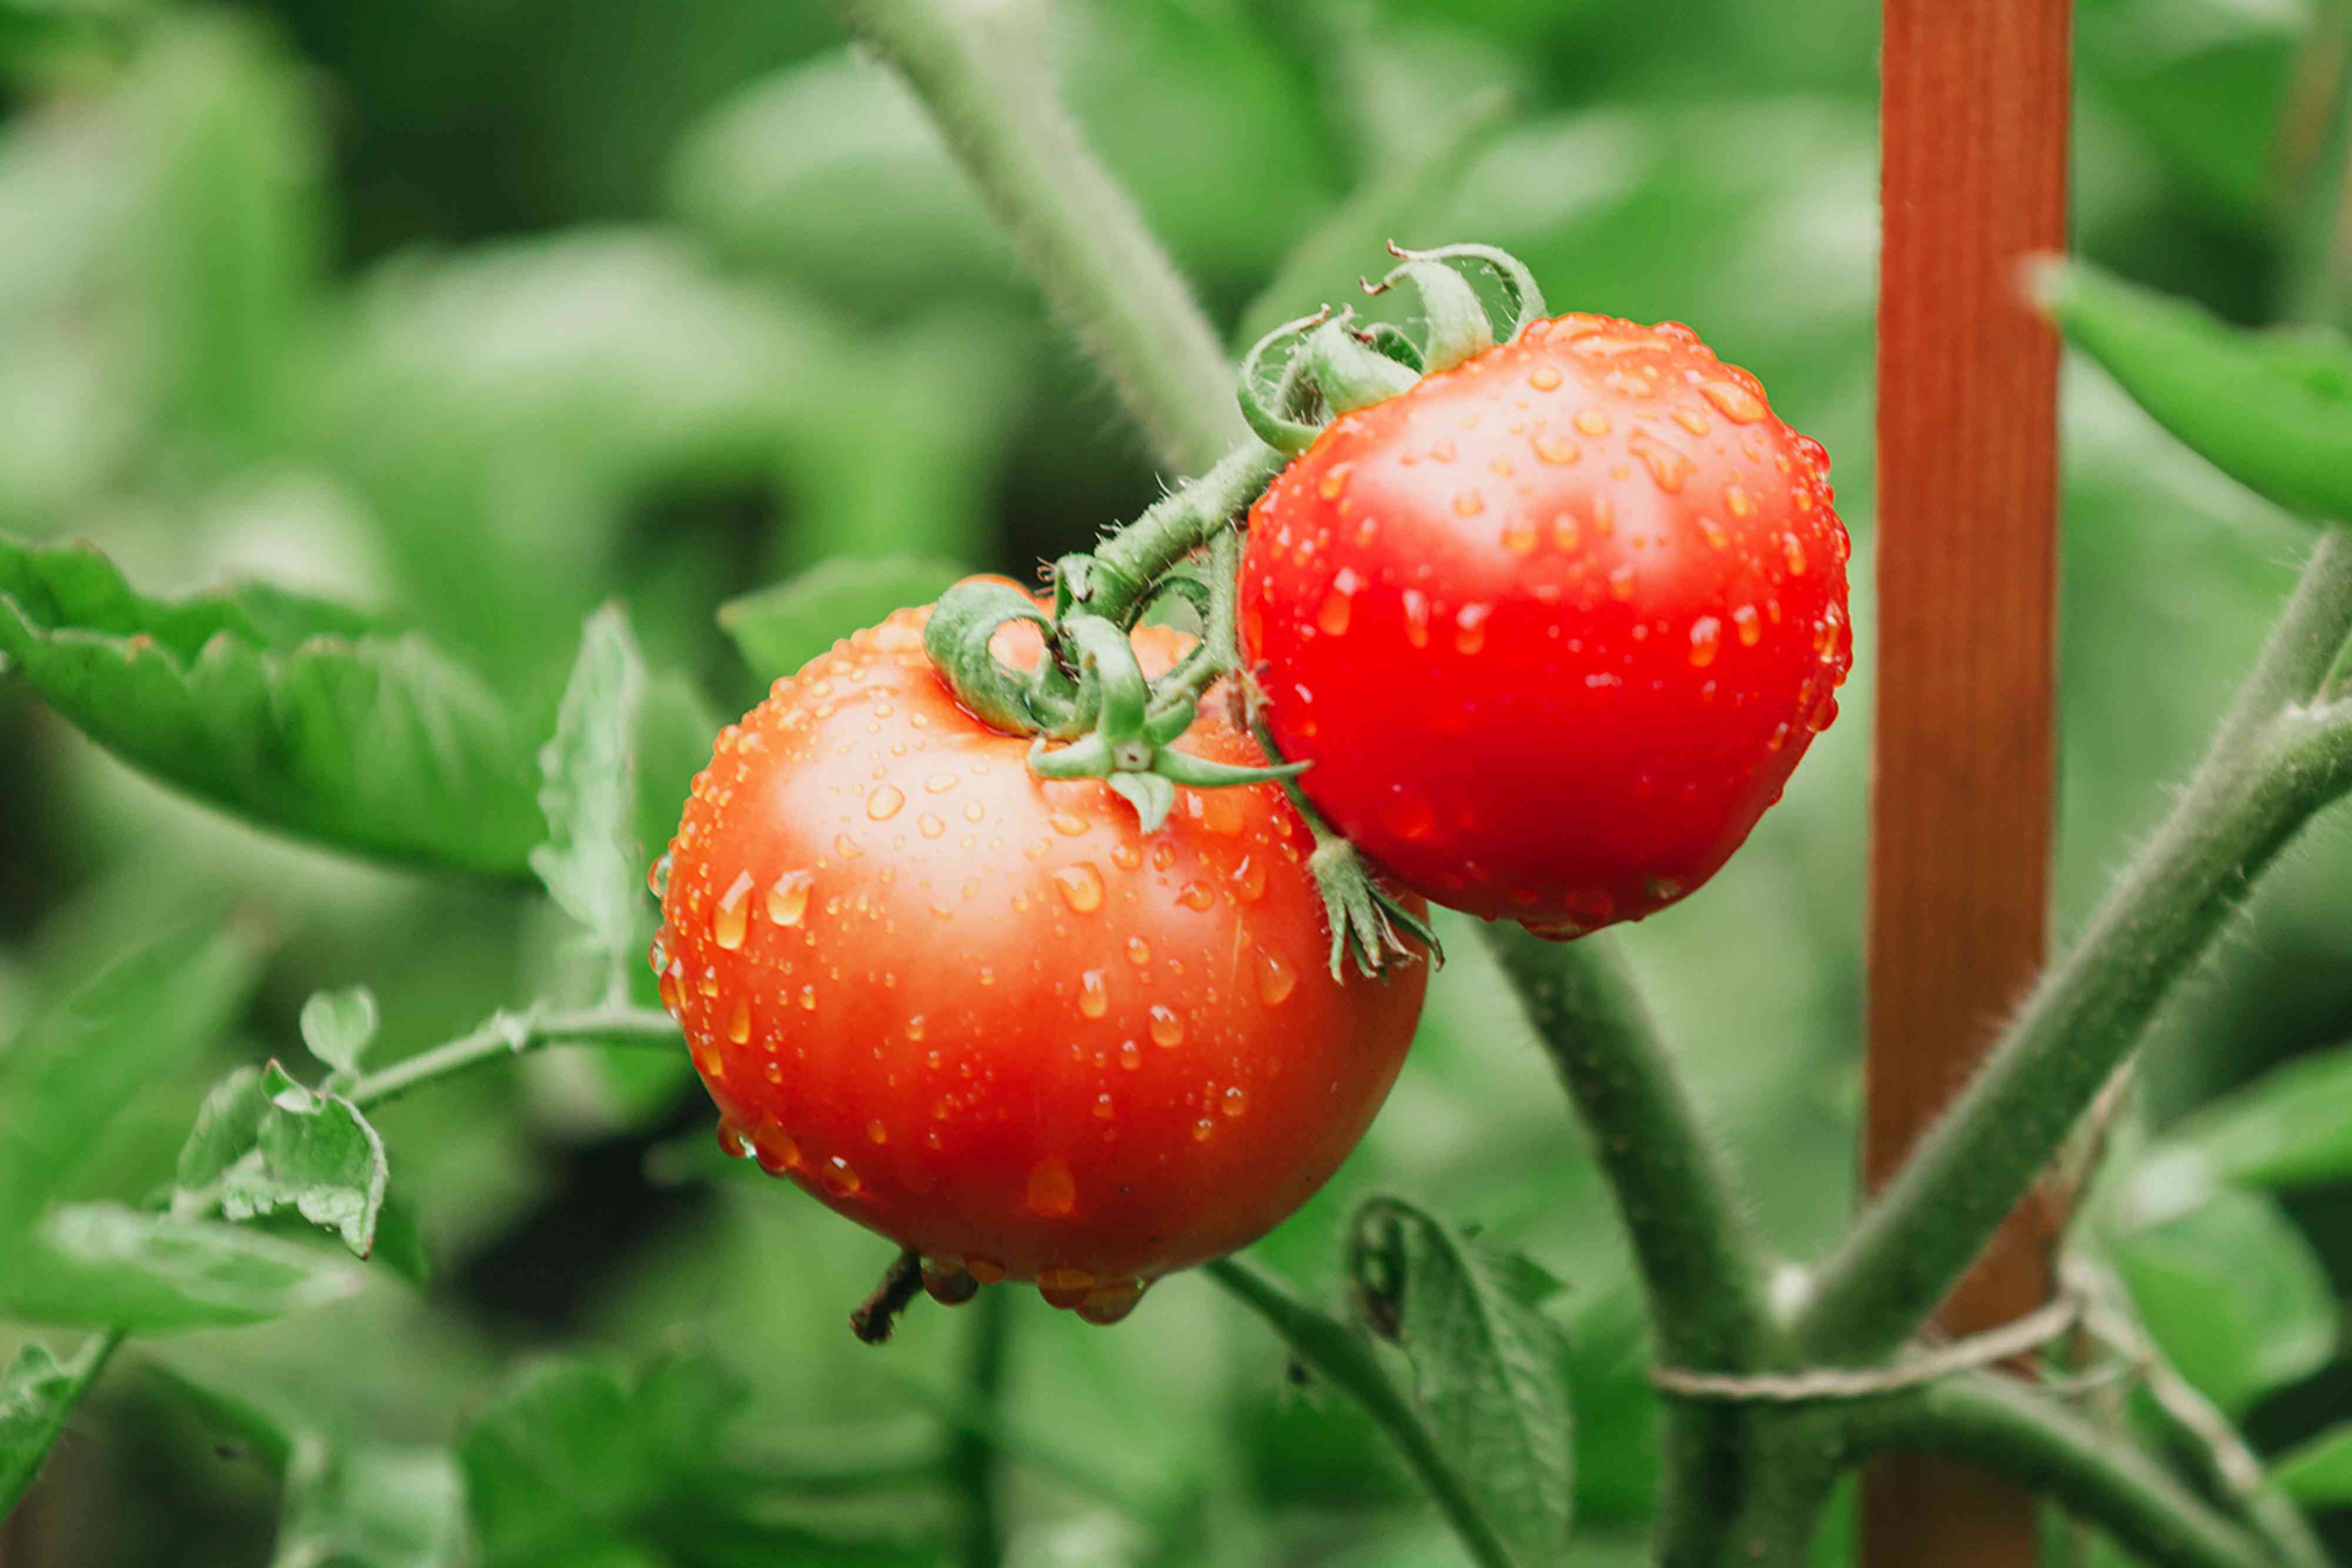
point(1973, 124)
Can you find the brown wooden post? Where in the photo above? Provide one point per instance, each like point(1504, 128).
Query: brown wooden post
point(1973, 143)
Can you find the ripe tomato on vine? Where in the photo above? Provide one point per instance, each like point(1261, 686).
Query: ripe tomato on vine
point(1554, 624)
point(985, 1014)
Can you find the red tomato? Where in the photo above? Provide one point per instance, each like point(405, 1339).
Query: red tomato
point(1555, 625)
point(979, 1013)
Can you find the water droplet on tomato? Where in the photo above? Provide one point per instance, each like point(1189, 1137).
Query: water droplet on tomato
point(1470, 627)
point(1795, 552)
point(1332, 616)
point(1468, 503)
point(987, 1271)
point(732, 1141)
point(1737, 501)
point(947, 1282)
point(1749, 625)
point(739, 1022)
point(1543, 378)
point(1519, 535)
point(1166, 1029)
point(788, 899)
point(1824, 716)
point(1202, 1129)
point(1130, 1056)
point(1234, 1101)
point(1064, 1288)
point(930, 826)
point(1195, 896)
point(658, 877)
point(1276, 979)
point(1081, 886)
point(732, 914)
point(1620, 583)
point(1139, 951)
point(1592, 421)
point(1416, 618)
point(1093, 1000)
point(1249, 879)
point(709, 985)
point(1110, 1300)
point(658, 955)
point(1333, 480)
point(915, 1029)
point(1706, 636)
point(1126, 856)
point(808, 998)
point(1103, 1110)
point(1068, 825)
point(1734, 401)
point(1555, 448)
point(839, 1179)
point(884, 803)
point(1712, 531)
point(1668, 467)
point(777, 1152)
point(1053, 1191)
point(1690, 419)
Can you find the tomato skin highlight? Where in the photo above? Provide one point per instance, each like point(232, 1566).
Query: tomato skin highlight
point(978, 1013)
point(1554, 626)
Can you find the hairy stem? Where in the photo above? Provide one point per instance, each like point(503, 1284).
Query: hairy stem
point(1996, 1422)
point(1343, 1356)
point(510, 1034)
point(2274, 763)
point(1128, 563)
point(1698, 1254)
point(1076, 229)
point(972, 1458)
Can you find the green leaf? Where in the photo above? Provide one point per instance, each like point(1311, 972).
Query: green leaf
point(371, 1507)
point(2273, 409)
point(591, 862)
point(315, 1155)
point(1486, 1363)
point(781, 628)
point(78, 1061)
point(578, 1450)
point(278, 709)
point(37, 1394)
point(228, 1124)
point(2233, 1294)
point(2291, 1127)
point(99, 1264)
point(2318, 1474)
point(339, 1025)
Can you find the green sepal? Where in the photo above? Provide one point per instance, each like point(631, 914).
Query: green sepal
point(1201, 773)
point(1122, 696)
point(962, 623)
point(1171, 717)
point(1459, 328)
point(1269, 405)
point(1350, 373)
point(1088, 757)
point(1364, 917)
point(1526, 300)
point(1152, 796)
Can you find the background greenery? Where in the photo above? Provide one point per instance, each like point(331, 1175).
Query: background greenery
point(478, 313)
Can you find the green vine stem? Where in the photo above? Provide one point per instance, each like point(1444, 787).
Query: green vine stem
point(510, 1034)
point(973, 1458)
point(1344, 1357)
point(1994, 1421)
point(1078, 230)
point(1699, 1257)
point(2276, 761)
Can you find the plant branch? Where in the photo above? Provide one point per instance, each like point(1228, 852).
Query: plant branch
point(1698, 1254)
point(511, 1034)
point(1343, 1356)
point(1987, 1419)
point(2275, 762)
point(1079, 231)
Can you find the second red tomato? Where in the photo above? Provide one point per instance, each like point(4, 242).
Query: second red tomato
point(1553, 626)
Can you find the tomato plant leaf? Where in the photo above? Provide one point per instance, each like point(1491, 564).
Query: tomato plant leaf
point(2272, 409)
point(228, 1124)
point(1486, 1365)
point(371, 1506)
point(2287, 1129)
point(2318, 1474)
point(295, 714)
point(577, 1450)
point(2233, 1294)
point(339, 1025)
point(101, 1263)
point(588, 791)
point(37, 1393)
point(782, 627)
point(78, 1061)
point(316, 1154)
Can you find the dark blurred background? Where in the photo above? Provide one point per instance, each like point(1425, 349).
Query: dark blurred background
point(481, 311)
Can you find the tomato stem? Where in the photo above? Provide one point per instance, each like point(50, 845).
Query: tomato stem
point(878, 1314)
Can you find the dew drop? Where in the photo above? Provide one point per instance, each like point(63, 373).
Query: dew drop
point(1221, 812)
point(1103, 1110)
point(709, 985)
point(1519, 535)
point(987, 1271)
point(658, 955)
point(1824, 716)
point(1066, 824)
point(658, 877)
point(947, 1282)
point(875, 1132)
point(1706, 636)
point(1468, 503)
point(1416, 618)
point(1130, 1056)
point(915, 1028)
point(1737, 500)
point(1604, 514)
point(1690, 419)
point(1249, 879)
point(1556, 449)
point(1064, 1288)
point(1166, 1029)
point(1795, 552)
point(808, 998)
point(1081, 886)
point(1543, 378)
point(1470, 627)
point(939, 783)
point(1203, 1130)
point(778, 1153)
point(1592, 421)
point(1235, 1101)
point(1276, 979)
point(1712, 531)
point(1620, 583)
point(1195, 896)
point(732, 1141)
point(739, 1022)
point(1093, 1000)
point(1749, 625)
point(973, 810)
point(1332, 616)
point(838, 1178)
point(730, 916)
point(1667, 466)
point(1734, 401)
point(1110, 1300)
point(788, 899)
point(931, 826)
point(884, 803)
point(1126, 856)
point(1333, 480)
point(1407, 815)
point(1053, 1191)
point(1139, 951)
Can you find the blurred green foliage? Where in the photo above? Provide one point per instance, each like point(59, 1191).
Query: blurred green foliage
point(474, 317)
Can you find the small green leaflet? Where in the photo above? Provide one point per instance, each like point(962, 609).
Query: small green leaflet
point(297, 715)
point(339, 1025)
point(588, 793)
point(100, 1264)
point(371, 1506)
point(781, 628)
point(37, 1394)
point(2273, 409)
point(314, 1153)
point(1488, 1366)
